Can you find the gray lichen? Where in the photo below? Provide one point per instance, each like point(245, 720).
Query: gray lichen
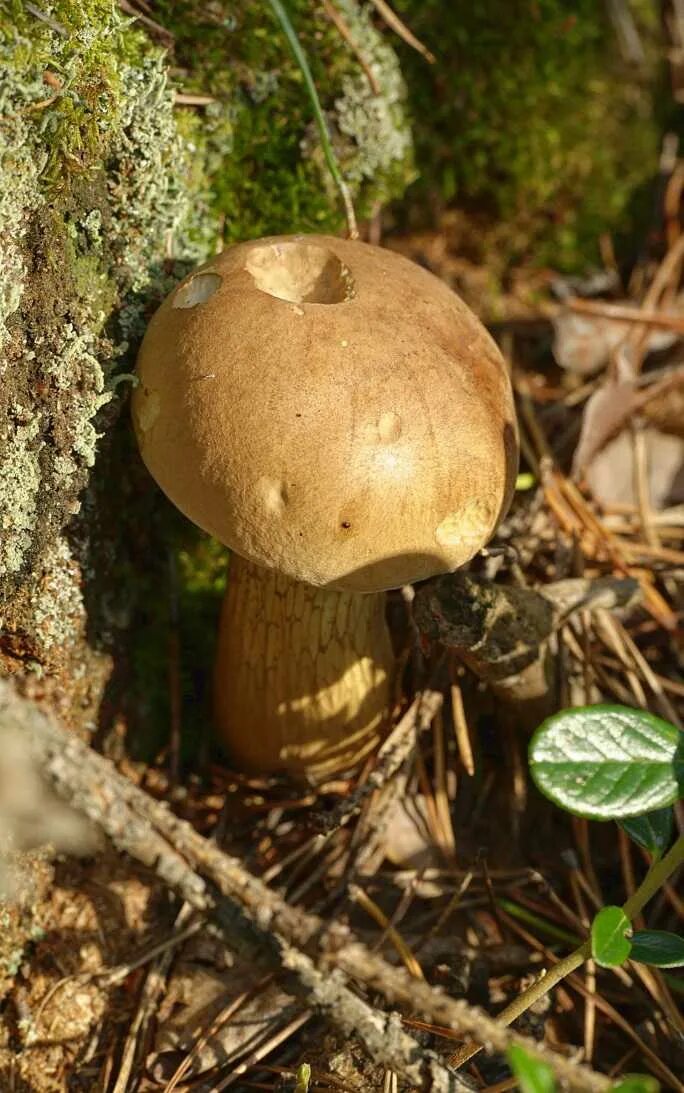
point(57, 599)
point(374, 123)
point(20, 480)
point(20, 167)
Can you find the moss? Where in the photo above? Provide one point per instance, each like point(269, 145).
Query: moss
point(532, 122)
point(256, 162)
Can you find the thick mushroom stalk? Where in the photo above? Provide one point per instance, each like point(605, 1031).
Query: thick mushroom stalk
point(302, 676)
point(337, 417)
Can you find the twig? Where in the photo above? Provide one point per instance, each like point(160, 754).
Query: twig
point(58, 28)
point(110, 976)
point(461, 731)
point(395, 23)
point(255, 1056)
point(390, 758)
point(183, 98)
point(335, 17)
point(623, 314)
point(221, 1019)
point(147, 1006)
point(300, 57)
point(252, 914)
point(370, 907)
point(162, 33)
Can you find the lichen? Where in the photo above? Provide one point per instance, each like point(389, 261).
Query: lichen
point(374, 123)
point(57, 599)
point(19, 486)
point(20, 167)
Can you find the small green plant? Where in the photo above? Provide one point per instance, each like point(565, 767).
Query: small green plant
point(303, 1078)
point(613, 762)
point(609, 763)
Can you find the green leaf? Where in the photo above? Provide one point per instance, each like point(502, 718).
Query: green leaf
point(637, 1083)
point(609, 946)
point(608, 762)
point(652, 831)
point(533, 1076)
point(658, 947)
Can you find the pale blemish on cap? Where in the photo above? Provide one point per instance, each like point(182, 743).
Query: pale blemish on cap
point(147, 409)
point(273, 494)
point(197, 290)
point(389, 427)
point(469, 526)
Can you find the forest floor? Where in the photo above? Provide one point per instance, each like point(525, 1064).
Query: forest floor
point(458, 869)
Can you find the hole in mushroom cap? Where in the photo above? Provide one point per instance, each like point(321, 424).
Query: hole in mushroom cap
point(301, 273)
point(197, 290)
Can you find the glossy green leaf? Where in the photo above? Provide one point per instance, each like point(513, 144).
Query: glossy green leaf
point(608, 762)
point(658, 947)
point(609, 946)
point(533, 1076)
point(653, 831)
point(636, 1083)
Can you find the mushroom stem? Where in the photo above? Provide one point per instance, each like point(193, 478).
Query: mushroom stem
point(302, 674)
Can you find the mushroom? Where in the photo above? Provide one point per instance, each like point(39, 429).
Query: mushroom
point(340, 419)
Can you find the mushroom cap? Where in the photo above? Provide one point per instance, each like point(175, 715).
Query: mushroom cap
point(328, 409)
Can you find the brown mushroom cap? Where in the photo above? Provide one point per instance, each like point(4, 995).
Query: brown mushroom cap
point(328, 409)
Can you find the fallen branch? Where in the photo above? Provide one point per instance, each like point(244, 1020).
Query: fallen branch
point(150, 833)
point(249, 911)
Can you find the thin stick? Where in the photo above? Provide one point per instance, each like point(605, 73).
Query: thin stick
point(221, 1019)
point(326, 144)
point(621, 314)
point(335, 17)
point(461, 730)
point(658, 1067)
point(589, 980)
point(441, 791)
point(259, 1052)
point(395, 23)
point(390, 758)
point(371, 908)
